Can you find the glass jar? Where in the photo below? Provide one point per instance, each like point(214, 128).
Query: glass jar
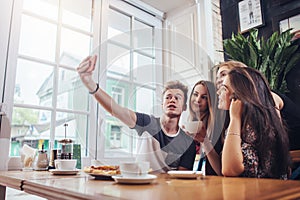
point(66, 151)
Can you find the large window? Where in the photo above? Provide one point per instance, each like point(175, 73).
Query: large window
point(52, 37)
point(130, 73)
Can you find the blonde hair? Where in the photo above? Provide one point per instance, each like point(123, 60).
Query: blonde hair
point(211, 105)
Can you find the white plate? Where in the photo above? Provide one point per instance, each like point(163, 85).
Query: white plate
point(135, 180)
point(63, 172)
point(185, 174)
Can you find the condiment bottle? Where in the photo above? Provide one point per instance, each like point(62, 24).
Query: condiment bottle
point(41, 160)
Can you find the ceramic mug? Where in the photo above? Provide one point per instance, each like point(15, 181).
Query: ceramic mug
point(192, 127)
point(133, 169)
point(65, 164)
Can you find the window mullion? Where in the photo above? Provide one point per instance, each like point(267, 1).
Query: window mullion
point(131, 75)
point(55, 81)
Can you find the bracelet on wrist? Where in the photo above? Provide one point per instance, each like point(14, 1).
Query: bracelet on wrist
point(97, 88)
point(233, 134)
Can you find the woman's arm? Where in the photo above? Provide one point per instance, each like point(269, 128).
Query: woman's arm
point(232, 157)
point(85, 71)
point(212, 156)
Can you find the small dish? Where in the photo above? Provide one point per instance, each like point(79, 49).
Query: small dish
point(149, 178)
point(101, 176)
point(185, 174)
point(102, 172)
point(64, 172)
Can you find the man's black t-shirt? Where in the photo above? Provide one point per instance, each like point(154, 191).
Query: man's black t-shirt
point(180, 149)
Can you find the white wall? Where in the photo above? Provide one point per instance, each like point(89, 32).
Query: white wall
point(6, 11)
point(5, 19)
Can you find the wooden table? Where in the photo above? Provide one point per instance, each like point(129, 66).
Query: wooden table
point(210, 187)
point(15, 179)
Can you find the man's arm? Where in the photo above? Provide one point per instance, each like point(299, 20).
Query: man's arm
point(85, 71)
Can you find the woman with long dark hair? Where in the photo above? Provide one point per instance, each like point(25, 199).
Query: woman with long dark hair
point(256, 141)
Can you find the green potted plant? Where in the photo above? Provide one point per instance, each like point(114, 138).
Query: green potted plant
point(274, 57)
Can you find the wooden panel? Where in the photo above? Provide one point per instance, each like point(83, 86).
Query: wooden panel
point(295, 155)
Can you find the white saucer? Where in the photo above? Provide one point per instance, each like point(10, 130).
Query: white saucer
point(135, 180)
point(185, 174)
point(64, 172)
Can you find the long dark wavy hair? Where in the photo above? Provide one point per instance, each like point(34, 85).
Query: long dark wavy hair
point(259, 113)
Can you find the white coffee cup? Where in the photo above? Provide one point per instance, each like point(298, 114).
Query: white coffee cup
point(65, 164)
point(192, 127)
point(134, 169)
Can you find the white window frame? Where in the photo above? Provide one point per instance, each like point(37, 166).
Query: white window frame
point(100, 34)
point(12, 57)
point(157, 23)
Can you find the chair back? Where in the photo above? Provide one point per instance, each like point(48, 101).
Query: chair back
point(295, 156)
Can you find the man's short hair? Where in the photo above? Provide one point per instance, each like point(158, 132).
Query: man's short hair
point(176, 85)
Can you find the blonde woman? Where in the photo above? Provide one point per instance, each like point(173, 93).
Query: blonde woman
point(202, 106)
